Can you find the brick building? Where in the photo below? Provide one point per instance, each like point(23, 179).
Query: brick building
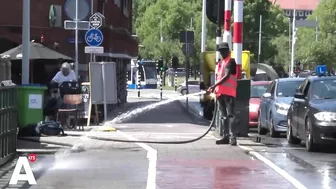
point(47, 18)
point(304, 8)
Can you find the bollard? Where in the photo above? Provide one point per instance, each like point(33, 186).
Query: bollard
point(139, 81)
point(161, 85)
point(175, 80)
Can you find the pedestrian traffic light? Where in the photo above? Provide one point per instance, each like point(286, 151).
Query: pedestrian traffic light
point(160, 64)
point(211, 11)
point(175, 62)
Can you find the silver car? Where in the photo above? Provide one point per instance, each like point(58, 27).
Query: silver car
point(193, 87)
point(274, 105)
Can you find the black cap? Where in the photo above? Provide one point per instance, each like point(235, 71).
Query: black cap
point(223, 45)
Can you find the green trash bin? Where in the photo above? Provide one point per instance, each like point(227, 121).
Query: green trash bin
point(30, 104)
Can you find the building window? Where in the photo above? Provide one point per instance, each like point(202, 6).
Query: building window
point(125, 7)
point(301, 13)
point(117, 2)
point(288, 13)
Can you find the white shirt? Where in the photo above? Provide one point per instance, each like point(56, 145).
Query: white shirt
point(60, 78)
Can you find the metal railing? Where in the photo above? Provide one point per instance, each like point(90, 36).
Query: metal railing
point(8, 123)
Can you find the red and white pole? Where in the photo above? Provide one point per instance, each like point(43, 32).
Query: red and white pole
point(238, 34)
point(227, 37)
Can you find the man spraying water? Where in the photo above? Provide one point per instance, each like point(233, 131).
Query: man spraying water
point(226, 89)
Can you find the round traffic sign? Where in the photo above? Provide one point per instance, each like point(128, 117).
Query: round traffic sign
point(94, 37)
point(83, 9)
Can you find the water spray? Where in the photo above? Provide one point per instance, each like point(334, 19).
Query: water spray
point(127, 115)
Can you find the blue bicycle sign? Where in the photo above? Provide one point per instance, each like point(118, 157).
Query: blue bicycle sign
point(94, 37)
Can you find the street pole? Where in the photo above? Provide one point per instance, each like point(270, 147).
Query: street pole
point(175, 80)
point(291, 72)
point(218, 31)
point(76, 40)
point(139, 79)
point(91, 56)
point(161, 37)
point(259, 48)
point(316, 29)
point(25, 42)
point(203, 42)
point(160, 84)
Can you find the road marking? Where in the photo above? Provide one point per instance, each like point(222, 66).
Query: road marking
point(297, 184)
point(152, 160)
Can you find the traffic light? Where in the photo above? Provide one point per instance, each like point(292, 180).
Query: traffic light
point(160, 64)
point(211, 11)
point(175, 62)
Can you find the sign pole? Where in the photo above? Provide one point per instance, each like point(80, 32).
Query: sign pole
point(76, 41)
point(25, 42)
point(104, 91)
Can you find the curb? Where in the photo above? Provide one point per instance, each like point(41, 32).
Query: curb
point(36, 151)
point(47, 142)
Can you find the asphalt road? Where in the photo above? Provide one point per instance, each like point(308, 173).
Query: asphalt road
point(198, 165)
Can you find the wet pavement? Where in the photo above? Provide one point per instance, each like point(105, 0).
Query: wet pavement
point(312, 169)
point(198, 165)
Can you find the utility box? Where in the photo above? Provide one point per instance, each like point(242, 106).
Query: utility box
point(242, 107)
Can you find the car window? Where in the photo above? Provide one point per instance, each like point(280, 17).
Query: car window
point(301, 87)
point(325, 89)
point(270, 87)
point(193, 82)
point(287, 88)
point(306, 89)
point(258, 90)
point(273, 88)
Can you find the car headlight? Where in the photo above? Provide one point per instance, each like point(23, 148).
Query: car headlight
point(254, 108)
point(281, 108)
point(325, 116)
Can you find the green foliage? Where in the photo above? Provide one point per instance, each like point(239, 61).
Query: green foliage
point(274, 23)
point(322, 51)
point(176, 15)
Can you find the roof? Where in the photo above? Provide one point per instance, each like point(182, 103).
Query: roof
point(300, 4)
point(260, 82)
point(316, 78)
point(290, 79)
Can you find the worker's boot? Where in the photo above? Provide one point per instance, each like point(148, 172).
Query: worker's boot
point(224, 140)
point(233, 141)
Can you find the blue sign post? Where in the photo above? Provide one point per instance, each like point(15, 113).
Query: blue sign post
point(94, 37)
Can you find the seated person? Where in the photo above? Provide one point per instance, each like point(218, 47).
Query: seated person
point(65, 74)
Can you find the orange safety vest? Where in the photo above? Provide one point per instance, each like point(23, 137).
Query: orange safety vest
point(229, 87)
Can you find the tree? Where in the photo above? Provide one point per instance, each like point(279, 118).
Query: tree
point(281, 44)
point(322, 51)
point(175, 16)
point(274, 23)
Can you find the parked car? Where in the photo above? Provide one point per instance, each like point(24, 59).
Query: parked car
point(312, 114)
point(193, 87)
point(274, 105)
point(258, 88)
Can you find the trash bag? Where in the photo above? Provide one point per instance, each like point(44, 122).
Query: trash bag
point(49, 128)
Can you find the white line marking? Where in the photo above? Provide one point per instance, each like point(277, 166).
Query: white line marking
point(152, 160)
point(297, 184)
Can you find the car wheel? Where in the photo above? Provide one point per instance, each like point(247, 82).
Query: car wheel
point(261, 130)
point(273, 133)
point(184, 92)
point(290, 138)
point(310, 145)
